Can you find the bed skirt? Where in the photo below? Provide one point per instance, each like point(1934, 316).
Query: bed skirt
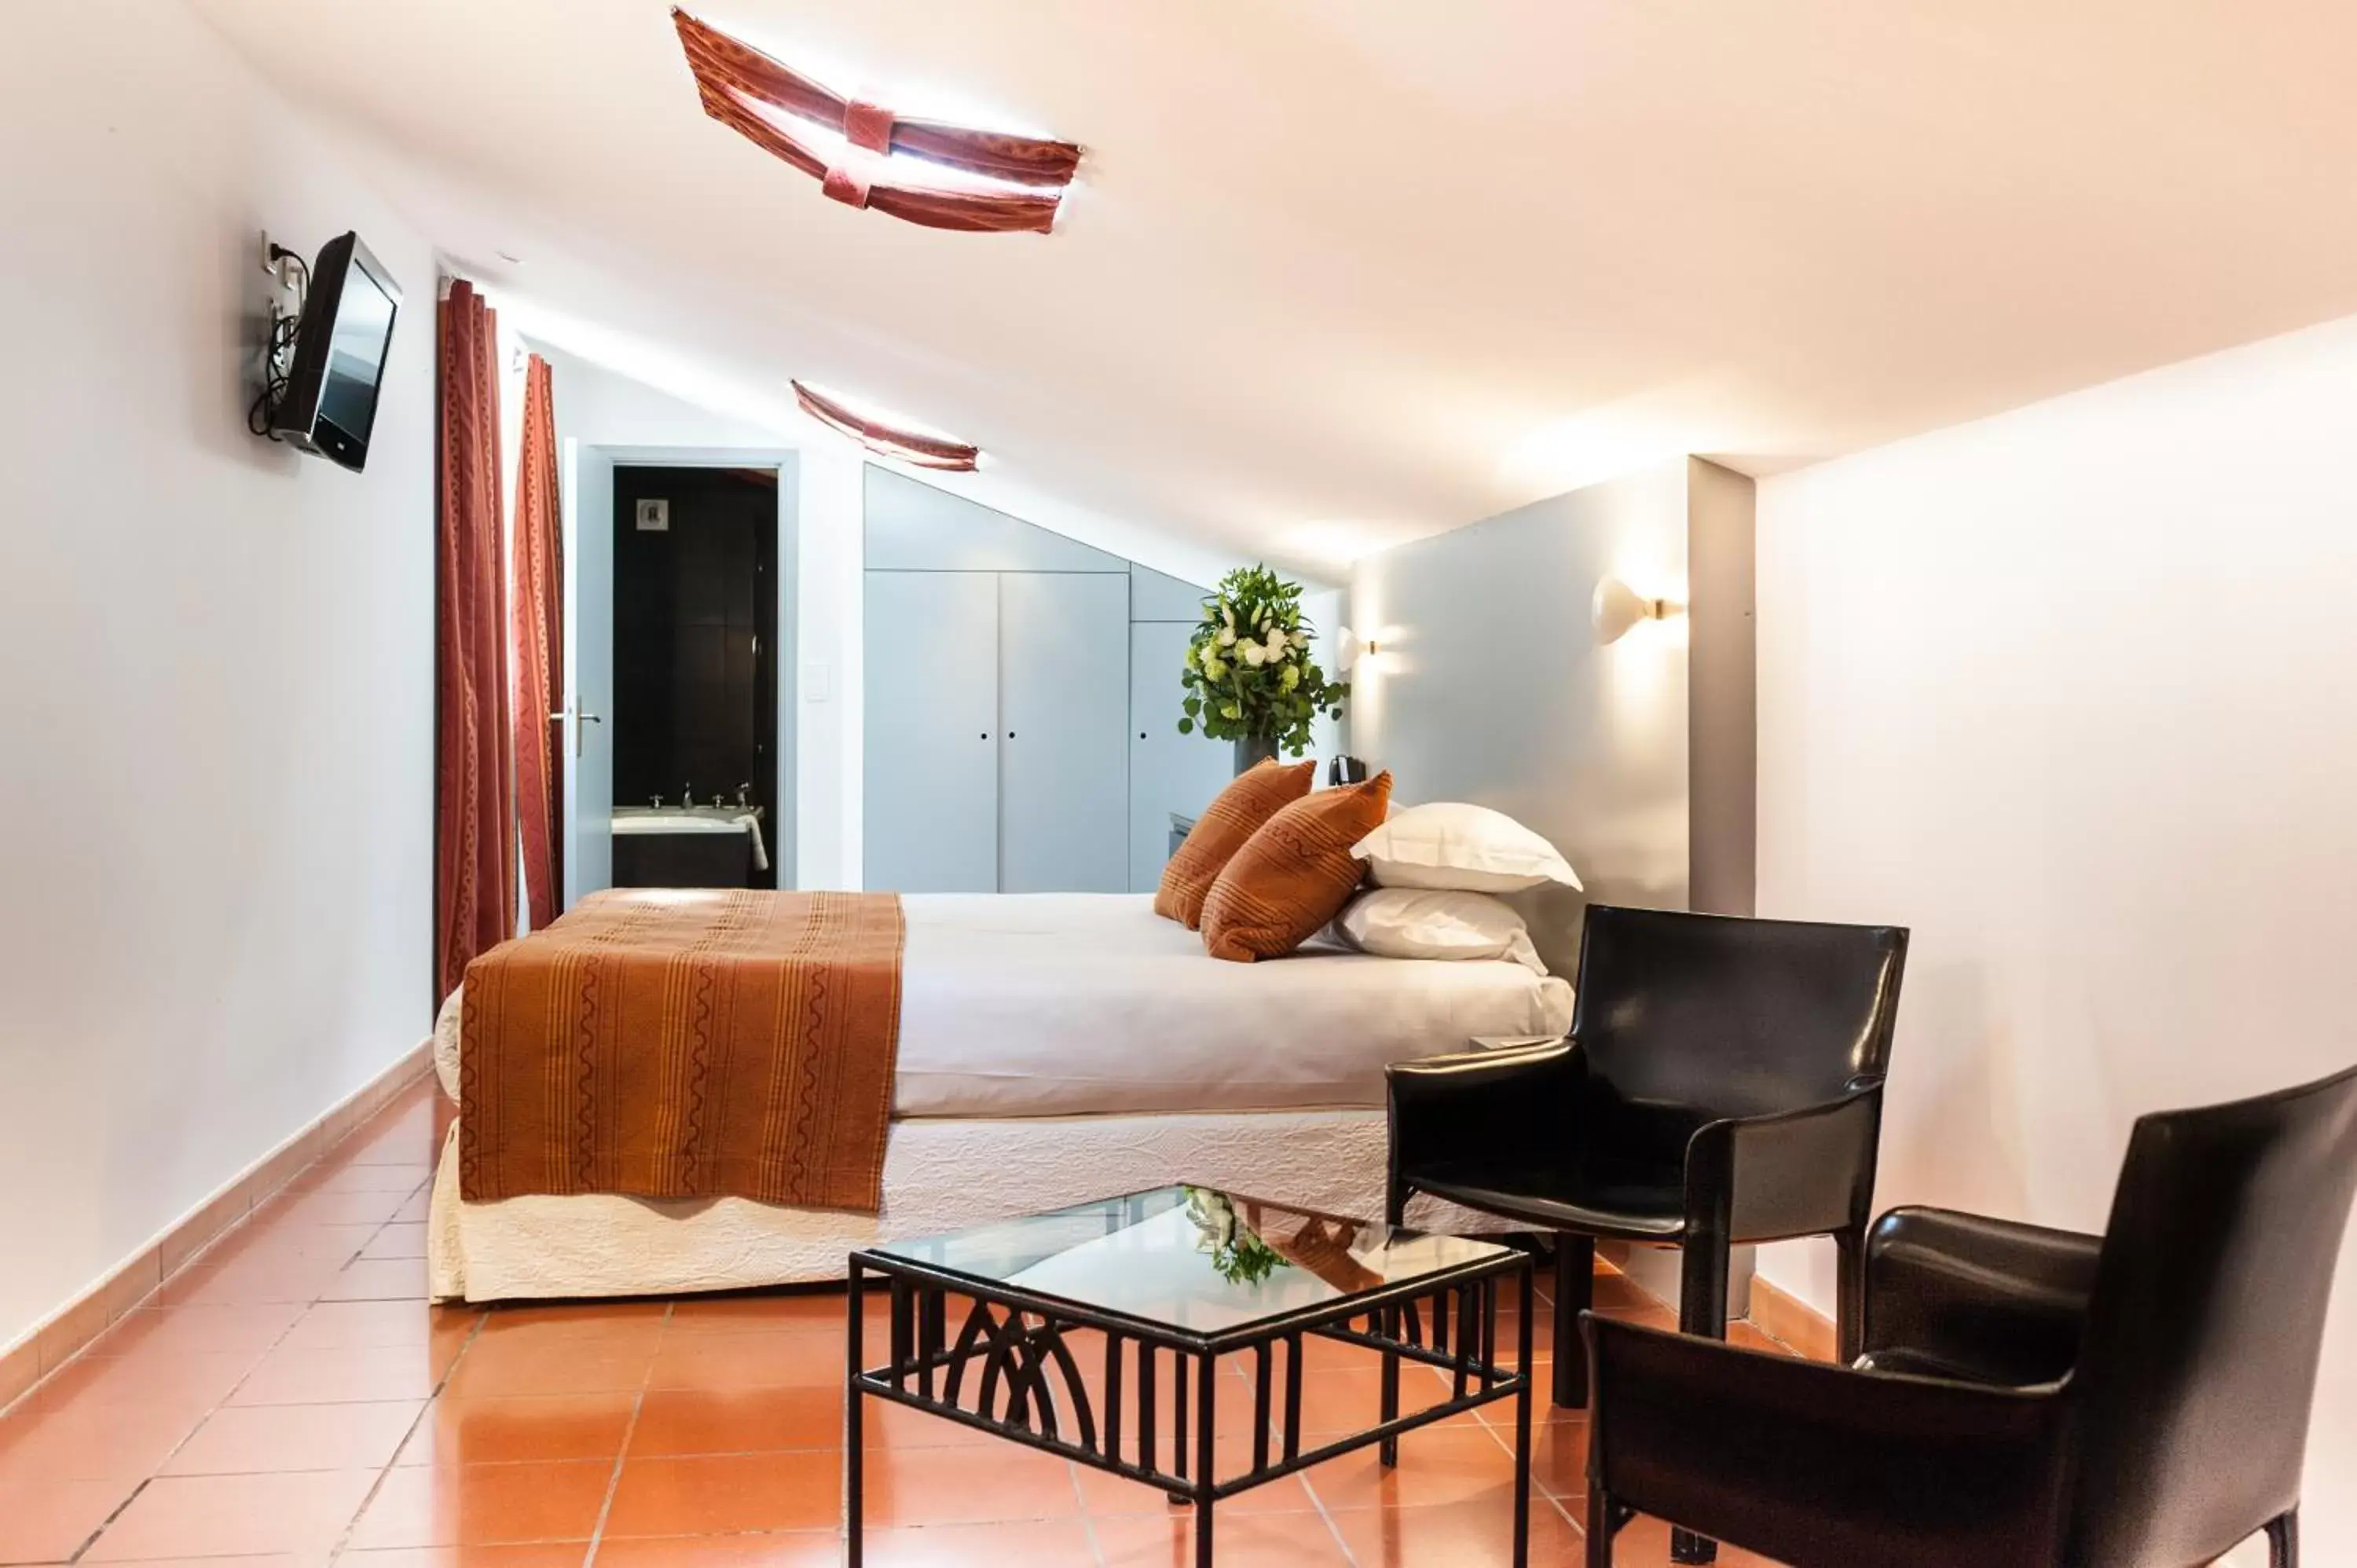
point(939, 1175)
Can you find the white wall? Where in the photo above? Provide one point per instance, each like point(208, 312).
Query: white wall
point(1490, 687)
point(2073, 692)
point(216, 810)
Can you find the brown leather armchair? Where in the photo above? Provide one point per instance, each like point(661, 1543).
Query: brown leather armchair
point(2023, 1396)
point(1722, 1085)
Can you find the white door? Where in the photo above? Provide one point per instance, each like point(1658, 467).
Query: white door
point(1064, 767)
point(931, 791)
point(1167, 772)
point(586, 737)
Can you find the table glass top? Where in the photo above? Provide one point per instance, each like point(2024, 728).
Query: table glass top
point(1193, 1259)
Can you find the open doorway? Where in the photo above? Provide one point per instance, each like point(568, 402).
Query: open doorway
point(696, 709)
point(696, 782)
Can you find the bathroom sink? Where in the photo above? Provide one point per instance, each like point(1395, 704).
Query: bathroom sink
point(644, 820)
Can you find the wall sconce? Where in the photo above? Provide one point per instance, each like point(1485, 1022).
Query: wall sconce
point(1349, 650)
point(1619, 607)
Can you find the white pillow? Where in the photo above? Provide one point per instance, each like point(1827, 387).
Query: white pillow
point(1414, 922)
point(1452, 845)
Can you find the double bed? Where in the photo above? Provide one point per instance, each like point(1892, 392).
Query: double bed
point(1052, 1049)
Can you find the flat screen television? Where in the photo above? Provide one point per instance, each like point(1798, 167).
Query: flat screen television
point(329, 404)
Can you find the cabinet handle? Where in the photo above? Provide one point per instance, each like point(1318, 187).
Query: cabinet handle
point(985, 734)
point(1010, 735)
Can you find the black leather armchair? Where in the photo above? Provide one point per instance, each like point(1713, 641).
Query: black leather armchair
point(1722, 1085)
point(2025, 1396)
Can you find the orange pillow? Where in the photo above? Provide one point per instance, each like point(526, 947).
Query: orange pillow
point(1257, 794)
point(1296, 874)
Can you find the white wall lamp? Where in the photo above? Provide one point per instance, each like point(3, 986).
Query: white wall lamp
point(1349, 650)
point(1619, 607)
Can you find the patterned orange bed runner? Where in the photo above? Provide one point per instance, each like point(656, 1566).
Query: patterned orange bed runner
point(677, 1043)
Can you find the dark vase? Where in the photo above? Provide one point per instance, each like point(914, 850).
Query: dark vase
point(1251, 750)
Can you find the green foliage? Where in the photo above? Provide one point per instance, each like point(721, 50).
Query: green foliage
point(1238, 1255)
point(1248, 674)
point(1247, 1260)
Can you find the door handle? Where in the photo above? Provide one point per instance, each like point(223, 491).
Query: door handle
point(580, 738)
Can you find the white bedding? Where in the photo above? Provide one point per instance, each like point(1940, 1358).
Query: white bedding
point(1083, 1003)
point(939, 1175)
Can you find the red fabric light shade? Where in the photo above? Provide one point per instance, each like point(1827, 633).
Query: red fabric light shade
point(906, 445)
point(731, 76)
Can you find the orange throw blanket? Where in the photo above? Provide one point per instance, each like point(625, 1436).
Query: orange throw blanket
point(678, 1043)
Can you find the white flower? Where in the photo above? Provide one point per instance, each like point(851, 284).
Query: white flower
point(1256, 655)
point(1227, 637)
point(1214, 1218)
point(1277, 643)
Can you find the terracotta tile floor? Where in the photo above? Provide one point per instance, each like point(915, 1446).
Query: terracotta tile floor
point(290, 1398)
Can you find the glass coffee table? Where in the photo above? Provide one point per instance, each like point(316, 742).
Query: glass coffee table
point(1098, 1332)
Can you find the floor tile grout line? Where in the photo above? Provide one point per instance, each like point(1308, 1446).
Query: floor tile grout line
point(1080, 1502)
point(152, 1301)
point(622, 1454)
point(211, 1410)
point(343, 1541)
point(246, 1223)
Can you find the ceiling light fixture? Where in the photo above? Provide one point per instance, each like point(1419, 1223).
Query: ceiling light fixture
point(740, 84)
point(1618, 607)
point(885, 439)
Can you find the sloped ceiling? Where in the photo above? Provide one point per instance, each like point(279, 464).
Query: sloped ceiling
point(1341, 273)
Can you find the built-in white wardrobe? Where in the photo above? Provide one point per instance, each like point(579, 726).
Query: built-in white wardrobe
point(1021, 716)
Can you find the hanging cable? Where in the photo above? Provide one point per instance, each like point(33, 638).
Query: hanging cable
point(285, 326)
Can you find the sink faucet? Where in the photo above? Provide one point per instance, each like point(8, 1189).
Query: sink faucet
point(688, 796)
point(743, 796)
point(658, 802)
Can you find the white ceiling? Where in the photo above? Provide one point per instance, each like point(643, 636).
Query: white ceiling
point(1345, 272)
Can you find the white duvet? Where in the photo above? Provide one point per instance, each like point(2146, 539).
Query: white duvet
point(1083, 1003)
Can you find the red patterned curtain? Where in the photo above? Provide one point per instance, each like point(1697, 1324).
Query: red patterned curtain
point(536, 621)
point(474, 840)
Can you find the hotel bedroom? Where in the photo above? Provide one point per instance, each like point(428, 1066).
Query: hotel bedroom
point(809, 783)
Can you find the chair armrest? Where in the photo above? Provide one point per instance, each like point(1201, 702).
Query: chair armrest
point(1513, 1105)
point(1792, 1173)
point(1989, 1299)
point(1806, 1463)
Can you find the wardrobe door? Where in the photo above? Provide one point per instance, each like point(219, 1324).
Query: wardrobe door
point(1063, 661)
point(1167, 772)
point(931, 793)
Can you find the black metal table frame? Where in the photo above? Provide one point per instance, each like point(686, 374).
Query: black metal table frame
point(1448, 1319)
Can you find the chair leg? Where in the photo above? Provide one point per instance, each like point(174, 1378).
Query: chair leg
point(1849, 1307)
point(1575, 1291)
point(1599, 1525)
point(1702, 1289)
point(1395, 1202)
point(2282, 1540)
point(1702, 1311)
